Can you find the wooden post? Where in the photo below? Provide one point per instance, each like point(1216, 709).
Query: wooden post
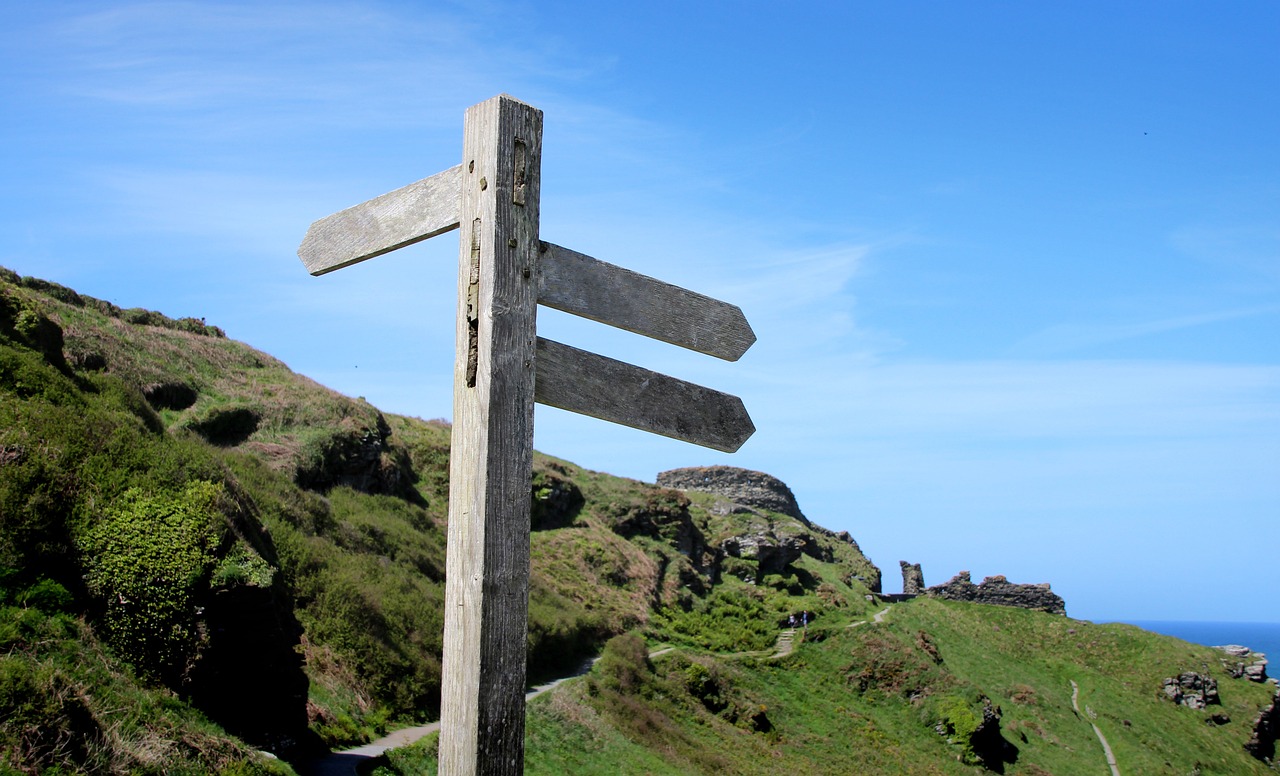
point(504, 272)
point(487, 587)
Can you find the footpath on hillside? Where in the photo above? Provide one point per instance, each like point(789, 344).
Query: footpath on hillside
point(1106, 748)
point(346, 762)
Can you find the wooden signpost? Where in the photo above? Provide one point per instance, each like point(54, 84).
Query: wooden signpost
point(501, 367)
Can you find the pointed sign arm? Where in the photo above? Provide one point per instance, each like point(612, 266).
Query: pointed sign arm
point(575, 283)
point(568, 281)
point(398, 218)
point(591, 384)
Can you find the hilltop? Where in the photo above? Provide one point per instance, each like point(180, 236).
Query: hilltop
point(204, 554)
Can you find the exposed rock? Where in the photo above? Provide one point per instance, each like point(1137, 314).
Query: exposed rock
point(359, 458)
point(988, 743)
point(1266, 729)
point(998, 591)
point(741, 486)
point(775, 533)
point(1193, 690)
point(556, 501)
point(773, 553)
point(664, 515)
point(1253, 666)
point(912, 578)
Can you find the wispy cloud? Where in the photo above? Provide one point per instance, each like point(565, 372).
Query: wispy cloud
point(1072, 337)
point(1252, 247)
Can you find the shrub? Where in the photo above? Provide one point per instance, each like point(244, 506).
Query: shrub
point(146, 557)
point(957, 720)
point(624, 665)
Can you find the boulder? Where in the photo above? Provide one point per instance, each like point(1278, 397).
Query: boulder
point(1252, 666)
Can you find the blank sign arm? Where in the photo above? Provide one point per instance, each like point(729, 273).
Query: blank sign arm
point(591, 384)
point(398, 218)
point(575, 283)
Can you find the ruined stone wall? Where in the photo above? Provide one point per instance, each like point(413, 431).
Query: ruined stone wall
point(912, 578)
point(999, 591)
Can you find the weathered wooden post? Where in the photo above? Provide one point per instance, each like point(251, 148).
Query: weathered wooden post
point(501, 367)
point(487, 577)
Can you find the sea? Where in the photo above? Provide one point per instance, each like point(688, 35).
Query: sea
point(1257, 636)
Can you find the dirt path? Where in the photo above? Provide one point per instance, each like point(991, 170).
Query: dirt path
point(346, 762)
point(878, 617)
point(1106, 748)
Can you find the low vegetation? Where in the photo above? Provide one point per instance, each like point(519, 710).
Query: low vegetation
point(204, 555)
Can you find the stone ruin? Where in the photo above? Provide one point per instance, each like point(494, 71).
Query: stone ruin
point(773, 544)
point(998, 591)
point(912, 578)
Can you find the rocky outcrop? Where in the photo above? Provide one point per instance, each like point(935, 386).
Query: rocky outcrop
point(1244, 662)
point(912, 578)
point(664, 516)
point(361, 458)
point(556, 501)
point(1266, 730)
point(1193, 690)
point(998, 591)
point(989, 745)
point(740, 486)
point(772, 552)
point(765, 524)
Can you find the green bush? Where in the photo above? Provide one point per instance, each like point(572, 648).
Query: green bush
point(725, 621)
point(956, 719)
point(146, 558)
point(624, 665)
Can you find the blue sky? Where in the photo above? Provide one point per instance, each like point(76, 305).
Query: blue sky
point(1014, 267)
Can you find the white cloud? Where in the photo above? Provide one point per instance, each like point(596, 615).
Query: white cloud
point(1068, 337)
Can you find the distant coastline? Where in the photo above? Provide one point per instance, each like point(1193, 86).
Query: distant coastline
point(1258, 636)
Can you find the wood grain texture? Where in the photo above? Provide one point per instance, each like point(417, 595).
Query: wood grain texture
point(487, 574)
point(395, 219)
point(591, 384)
point(579, 284)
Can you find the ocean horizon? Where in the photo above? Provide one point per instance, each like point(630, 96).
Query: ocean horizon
point(1258, 636)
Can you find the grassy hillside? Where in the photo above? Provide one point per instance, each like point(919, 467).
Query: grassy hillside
point(201, 551)
point(904, 696)
point(203, 554)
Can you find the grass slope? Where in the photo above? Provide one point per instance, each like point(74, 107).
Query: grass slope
point(202, 553)
point(269, 555)
point(897, 697)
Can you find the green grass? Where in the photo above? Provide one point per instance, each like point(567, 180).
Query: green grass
point(162, 486)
